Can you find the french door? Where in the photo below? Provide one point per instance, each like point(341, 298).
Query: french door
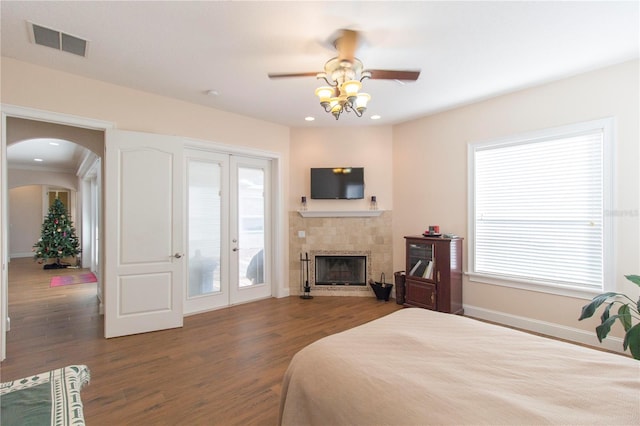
point(228, 231)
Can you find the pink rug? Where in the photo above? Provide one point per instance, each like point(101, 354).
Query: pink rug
point(88, 277)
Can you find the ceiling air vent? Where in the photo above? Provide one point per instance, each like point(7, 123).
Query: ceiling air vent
point(58, 40)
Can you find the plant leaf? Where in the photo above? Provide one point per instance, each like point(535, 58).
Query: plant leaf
point(589, 309)
point(603, 329)
point(632, 341)
point(634, 279)
point(624, 313)
point(605, 312)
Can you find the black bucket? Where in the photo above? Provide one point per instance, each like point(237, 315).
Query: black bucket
point(381, 289)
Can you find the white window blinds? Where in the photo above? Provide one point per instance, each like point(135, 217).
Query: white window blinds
point(538, 210)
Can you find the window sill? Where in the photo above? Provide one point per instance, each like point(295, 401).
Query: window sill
point(540, 287)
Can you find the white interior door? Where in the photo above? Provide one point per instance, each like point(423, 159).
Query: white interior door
point(143, 233)
point(228, 230)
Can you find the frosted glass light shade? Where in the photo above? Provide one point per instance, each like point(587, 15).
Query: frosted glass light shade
point(362, 101)
point(324, 93)
point(350, 88)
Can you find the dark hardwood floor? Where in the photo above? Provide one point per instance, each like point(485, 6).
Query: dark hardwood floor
point(222, 368)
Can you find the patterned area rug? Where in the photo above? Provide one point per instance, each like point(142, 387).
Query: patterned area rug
point(88, 277)
point(50, 398)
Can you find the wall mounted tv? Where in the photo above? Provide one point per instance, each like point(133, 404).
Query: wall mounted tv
point(337, 183)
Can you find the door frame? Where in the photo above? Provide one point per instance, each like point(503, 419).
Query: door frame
point(8, 110)
point(279, 220)
point(230, 293)
point(279, 212)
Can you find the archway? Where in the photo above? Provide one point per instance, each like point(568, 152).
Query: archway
point(31, 186)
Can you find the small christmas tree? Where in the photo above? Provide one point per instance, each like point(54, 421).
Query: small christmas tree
point(58, 237)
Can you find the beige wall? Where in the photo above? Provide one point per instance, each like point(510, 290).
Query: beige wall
point(430, 176)
point(31, 86)
point(25, 206)
point(21, 177)
point(25, 219)
point(418, 168)
point(368, 147)
point(19, 129)
point(42, 88)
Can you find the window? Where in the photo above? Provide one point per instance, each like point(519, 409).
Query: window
point(537, 209)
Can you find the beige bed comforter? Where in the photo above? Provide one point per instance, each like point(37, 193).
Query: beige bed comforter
point(419, 367)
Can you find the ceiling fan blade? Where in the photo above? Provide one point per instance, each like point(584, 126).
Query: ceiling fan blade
point(346, 45)
point(299, 74)
point(394, 75)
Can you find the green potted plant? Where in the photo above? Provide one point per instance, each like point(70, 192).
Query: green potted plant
point(627, 312)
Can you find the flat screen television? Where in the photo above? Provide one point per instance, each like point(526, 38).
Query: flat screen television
point(337, 183)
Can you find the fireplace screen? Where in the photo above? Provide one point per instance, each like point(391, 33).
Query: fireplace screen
point(341, 270)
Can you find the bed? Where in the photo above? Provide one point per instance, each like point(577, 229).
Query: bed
point(420, 367)
point(49, 398)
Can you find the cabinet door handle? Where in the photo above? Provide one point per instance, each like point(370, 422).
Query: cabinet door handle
point(438, 276)
point(433, 298)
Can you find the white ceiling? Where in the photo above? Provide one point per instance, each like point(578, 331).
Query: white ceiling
point(467, 51)
point(56, 155)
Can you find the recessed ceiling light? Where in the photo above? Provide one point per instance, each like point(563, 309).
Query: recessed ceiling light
point(39, 160)
point(213, 92)
point(309, 118)
point(375, 117)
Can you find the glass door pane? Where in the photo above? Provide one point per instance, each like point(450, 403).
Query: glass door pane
point(62, 195)
point(204, 224)
point(251, 226)
point(227, 230)
point(421, 260)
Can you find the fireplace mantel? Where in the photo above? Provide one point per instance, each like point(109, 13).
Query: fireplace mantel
point(340, 213)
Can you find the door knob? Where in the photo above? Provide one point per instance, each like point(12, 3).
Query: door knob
point(177, 255)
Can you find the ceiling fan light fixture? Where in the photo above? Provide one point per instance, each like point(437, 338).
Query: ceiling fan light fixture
point(335, 107)
point(350, 88)
point(362, 101)
point(344, 74)
point(344, 80)
point(324, 93)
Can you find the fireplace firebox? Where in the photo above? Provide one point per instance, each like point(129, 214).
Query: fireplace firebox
point(342, 270)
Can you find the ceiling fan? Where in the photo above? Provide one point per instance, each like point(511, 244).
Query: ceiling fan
point(344, 75)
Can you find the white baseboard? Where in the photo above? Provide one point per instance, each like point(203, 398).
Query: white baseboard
point(19, 255)
point(550, 329)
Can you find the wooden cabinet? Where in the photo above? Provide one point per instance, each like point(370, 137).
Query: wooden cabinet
point(434, 273)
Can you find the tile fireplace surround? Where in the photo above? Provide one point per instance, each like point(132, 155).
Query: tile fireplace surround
point(341, 235)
